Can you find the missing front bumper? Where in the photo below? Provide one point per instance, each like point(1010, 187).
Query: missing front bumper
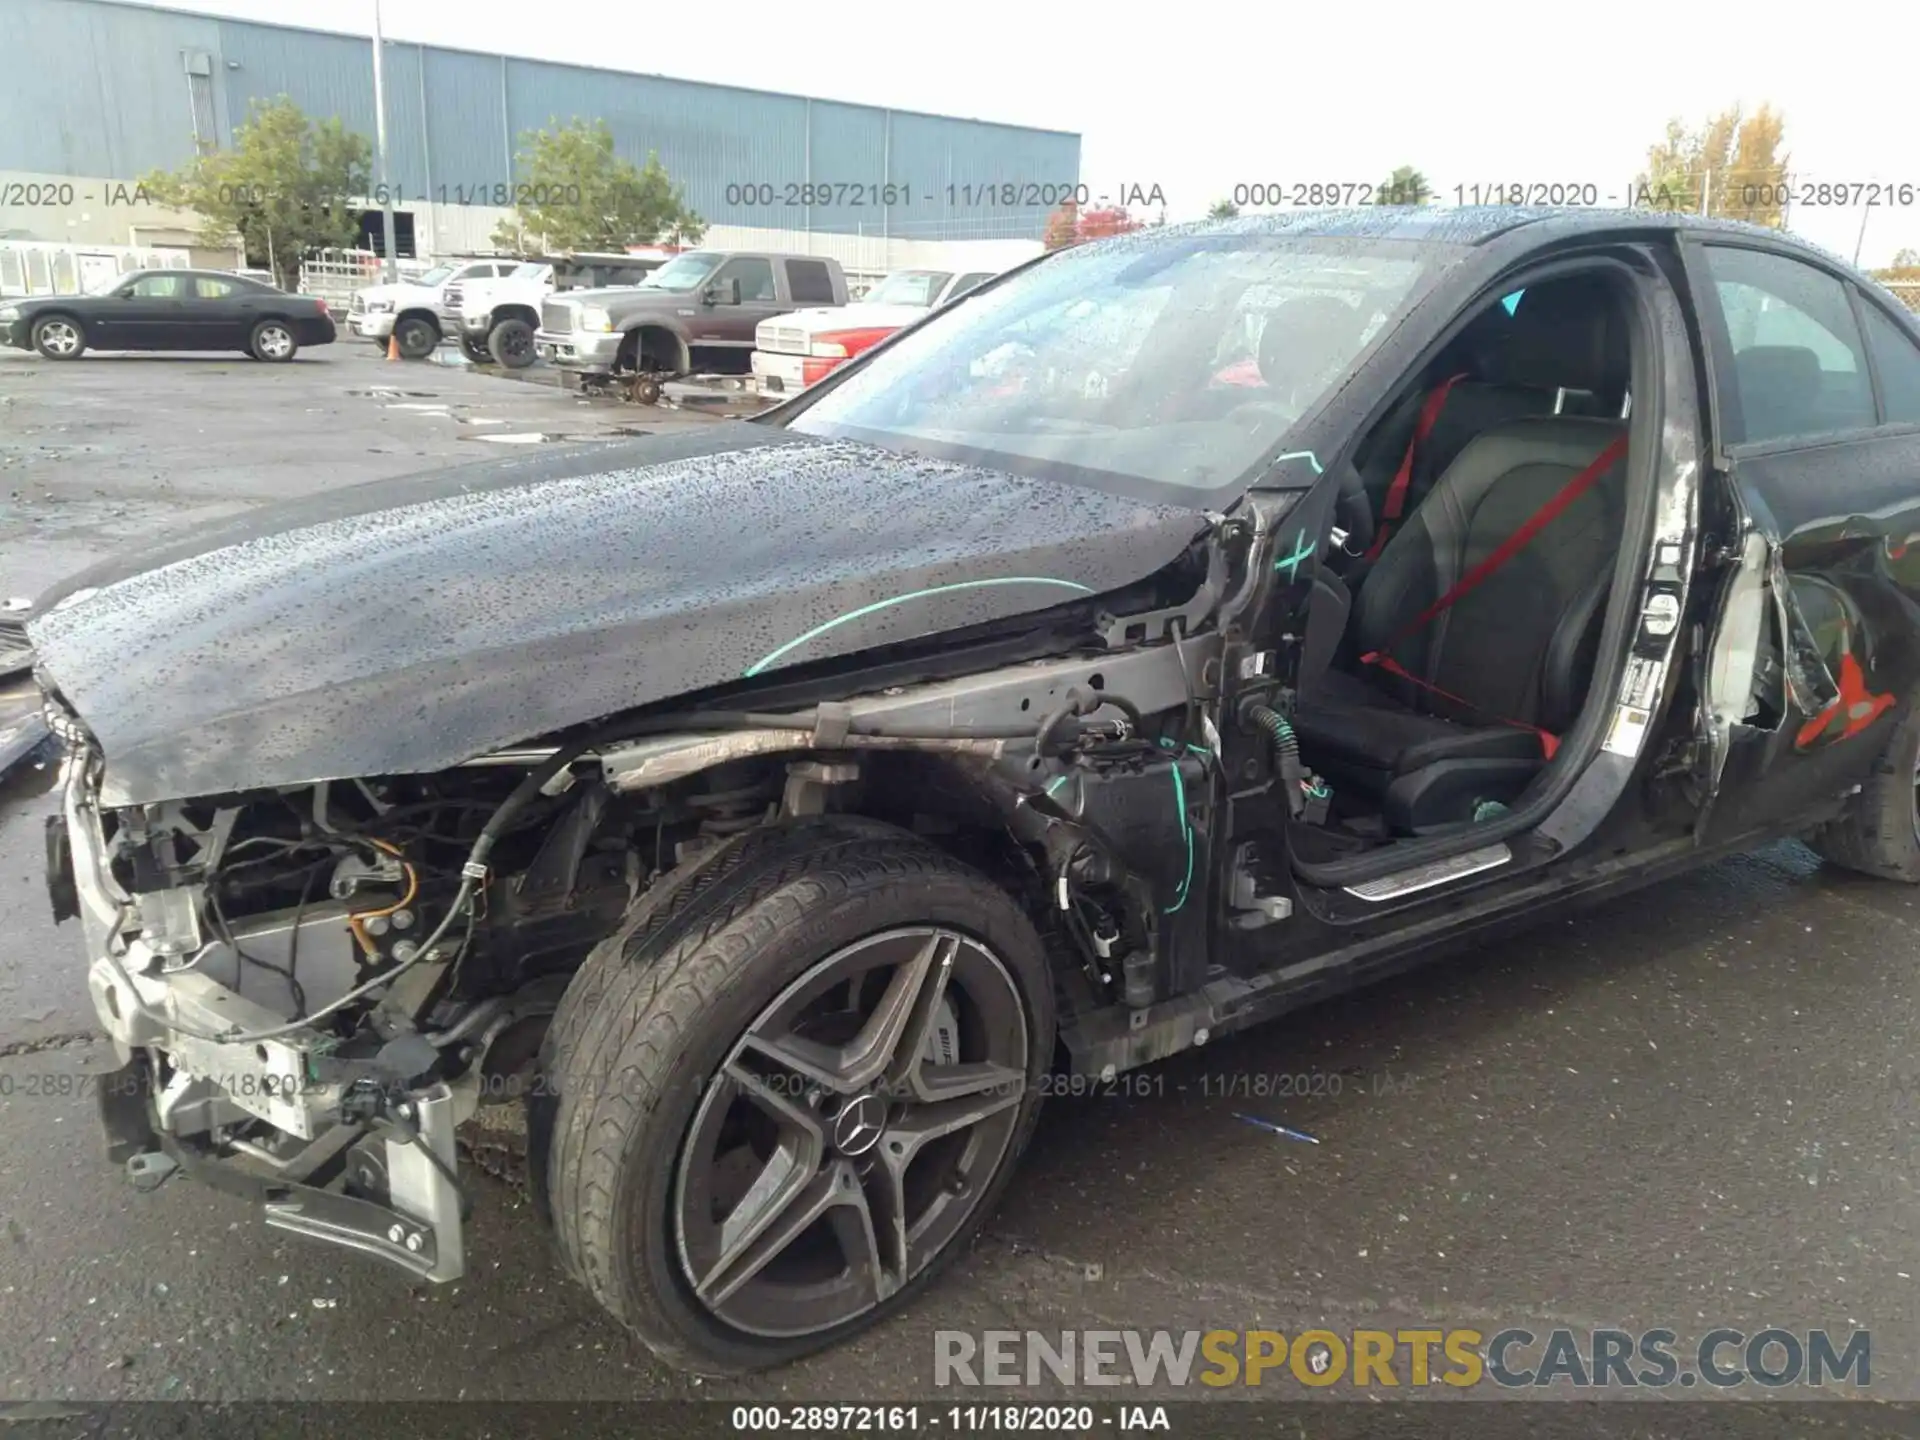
point(418, 1224)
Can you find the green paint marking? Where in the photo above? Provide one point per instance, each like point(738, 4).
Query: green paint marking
point(1056, 783)
point(1306, 455)
point(794, 644)
point(1303, 551)
point(1180, 800)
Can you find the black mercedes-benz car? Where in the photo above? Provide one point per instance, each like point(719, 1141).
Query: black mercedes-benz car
point(1171, 632)
point(169, 310)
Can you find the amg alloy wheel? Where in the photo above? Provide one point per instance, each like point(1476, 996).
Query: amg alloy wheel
point(839, 1147)
point(788, 1089)
point(58, 338)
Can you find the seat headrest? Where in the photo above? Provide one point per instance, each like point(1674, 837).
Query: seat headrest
point(1302, 333)
point(1778, 369)
point(1565, 335)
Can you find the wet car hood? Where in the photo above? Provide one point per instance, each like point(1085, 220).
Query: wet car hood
point(404, 626)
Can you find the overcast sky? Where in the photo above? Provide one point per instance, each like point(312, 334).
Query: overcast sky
point(1202, 96)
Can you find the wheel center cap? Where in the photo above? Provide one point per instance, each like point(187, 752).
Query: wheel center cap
point(856, 1129)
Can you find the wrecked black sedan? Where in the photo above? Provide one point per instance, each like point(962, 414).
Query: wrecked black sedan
point(1165, 635)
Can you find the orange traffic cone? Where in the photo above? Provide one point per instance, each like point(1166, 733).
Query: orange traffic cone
point(393, 347)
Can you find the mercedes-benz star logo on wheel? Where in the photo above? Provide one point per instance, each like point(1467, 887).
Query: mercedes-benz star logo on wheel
point(856, 1129)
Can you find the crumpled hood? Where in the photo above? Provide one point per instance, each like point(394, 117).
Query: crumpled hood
point(404, 626)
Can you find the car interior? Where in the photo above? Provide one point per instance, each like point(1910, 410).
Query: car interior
point(1447, 650)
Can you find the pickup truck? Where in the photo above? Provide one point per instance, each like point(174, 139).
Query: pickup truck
point(791, 352)
point(498, 318)
point(415, 312)
point(696, 314)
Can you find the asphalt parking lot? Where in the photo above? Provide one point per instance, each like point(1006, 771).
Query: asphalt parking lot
point(1692, 1108)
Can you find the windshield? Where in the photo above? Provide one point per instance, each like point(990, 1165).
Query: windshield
point(909, 287)
point(106, 284)
point(433, 276)
point(683, 272)
point(1182, 362)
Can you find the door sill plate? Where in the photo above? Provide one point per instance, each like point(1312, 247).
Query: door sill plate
point(1437, 872)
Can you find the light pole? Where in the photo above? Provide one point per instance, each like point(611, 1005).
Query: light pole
point(388, 269)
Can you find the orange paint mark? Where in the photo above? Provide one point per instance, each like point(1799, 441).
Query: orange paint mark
point(1855, 707)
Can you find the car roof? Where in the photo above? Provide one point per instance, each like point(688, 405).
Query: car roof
point(1470, 225)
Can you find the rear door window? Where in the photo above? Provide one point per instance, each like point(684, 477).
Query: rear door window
point(1896, 359)
point(1798, 360)
point(810, 281)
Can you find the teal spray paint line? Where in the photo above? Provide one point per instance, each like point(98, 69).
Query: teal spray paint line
point(794, 644)
point(1302, 551)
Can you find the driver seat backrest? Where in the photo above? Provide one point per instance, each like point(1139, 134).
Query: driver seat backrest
point(1519, 646)
point(1562, 351)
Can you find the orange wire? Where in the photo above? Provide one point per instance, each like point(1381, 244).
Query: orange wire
point(355, 917)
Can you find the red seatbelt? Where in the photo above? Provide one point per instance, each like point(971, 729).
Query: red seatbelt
point(1396, 497)
point(1474, 578)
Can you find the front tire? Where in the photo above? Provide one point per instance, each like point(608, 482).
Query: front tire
point(511, 344)
point(59, 337)
point(416, 337)
point(789, 1089)
point(273, 342)
point(1880, 832)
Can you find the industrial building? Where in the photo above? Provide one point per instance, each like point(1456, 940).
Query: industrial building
point(100, 93)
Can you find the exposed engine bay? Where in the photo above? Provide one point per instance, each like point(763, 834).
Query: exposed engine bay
point(310, 987)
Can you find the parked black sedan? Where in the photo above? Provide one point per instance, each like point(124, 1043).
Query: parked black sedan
point(169, 310)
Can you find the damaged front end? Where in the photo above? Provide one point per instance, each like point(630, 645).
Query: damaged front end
point(308, 990)
point(311, 987)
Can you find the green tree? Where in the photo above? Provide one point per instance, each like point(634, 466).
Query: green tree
point(1405, 186)
point(1223, 210)
point(591, 198)
point(1733, 166)
point(286, 188)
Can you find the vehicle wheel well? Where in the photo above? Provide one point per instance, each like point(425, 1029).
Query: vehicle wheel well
point(514, 312)
point(66, 315)
point(940, 800)
point(418, 313)
point(653, 347)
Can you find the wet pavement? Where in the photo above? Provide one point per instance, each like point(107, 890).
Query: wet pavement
point(1690, 1108)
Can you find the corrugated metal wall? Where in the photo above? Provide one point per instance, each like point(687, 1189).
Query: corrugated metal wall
point(101, 89)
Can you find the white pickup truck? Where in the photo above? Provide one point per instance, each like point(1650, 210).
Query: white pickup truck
point(416, 313)
point(498, 318)
point(793, 351)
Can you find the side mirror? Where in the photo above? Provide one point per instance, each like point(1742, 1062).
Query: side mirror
point(723, 292)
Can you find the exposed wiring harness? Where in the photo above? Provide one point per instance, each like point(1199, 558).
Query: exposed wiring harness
point(473, 873)
point(1286, 754)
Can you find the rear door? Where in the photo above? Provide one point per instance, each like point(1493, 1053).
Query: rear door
point(1815, 392)
point(219, 312)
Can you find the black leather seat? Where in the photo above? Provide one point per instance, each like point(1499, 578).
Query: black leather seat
point(1519, 648)
point(1512, 367)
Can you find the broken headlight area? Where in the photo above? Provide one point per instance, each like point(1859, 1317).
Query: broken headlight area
point(309, 989)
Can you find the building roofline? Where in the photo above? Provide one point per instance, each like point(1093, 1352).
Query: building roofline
point(423, 45)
